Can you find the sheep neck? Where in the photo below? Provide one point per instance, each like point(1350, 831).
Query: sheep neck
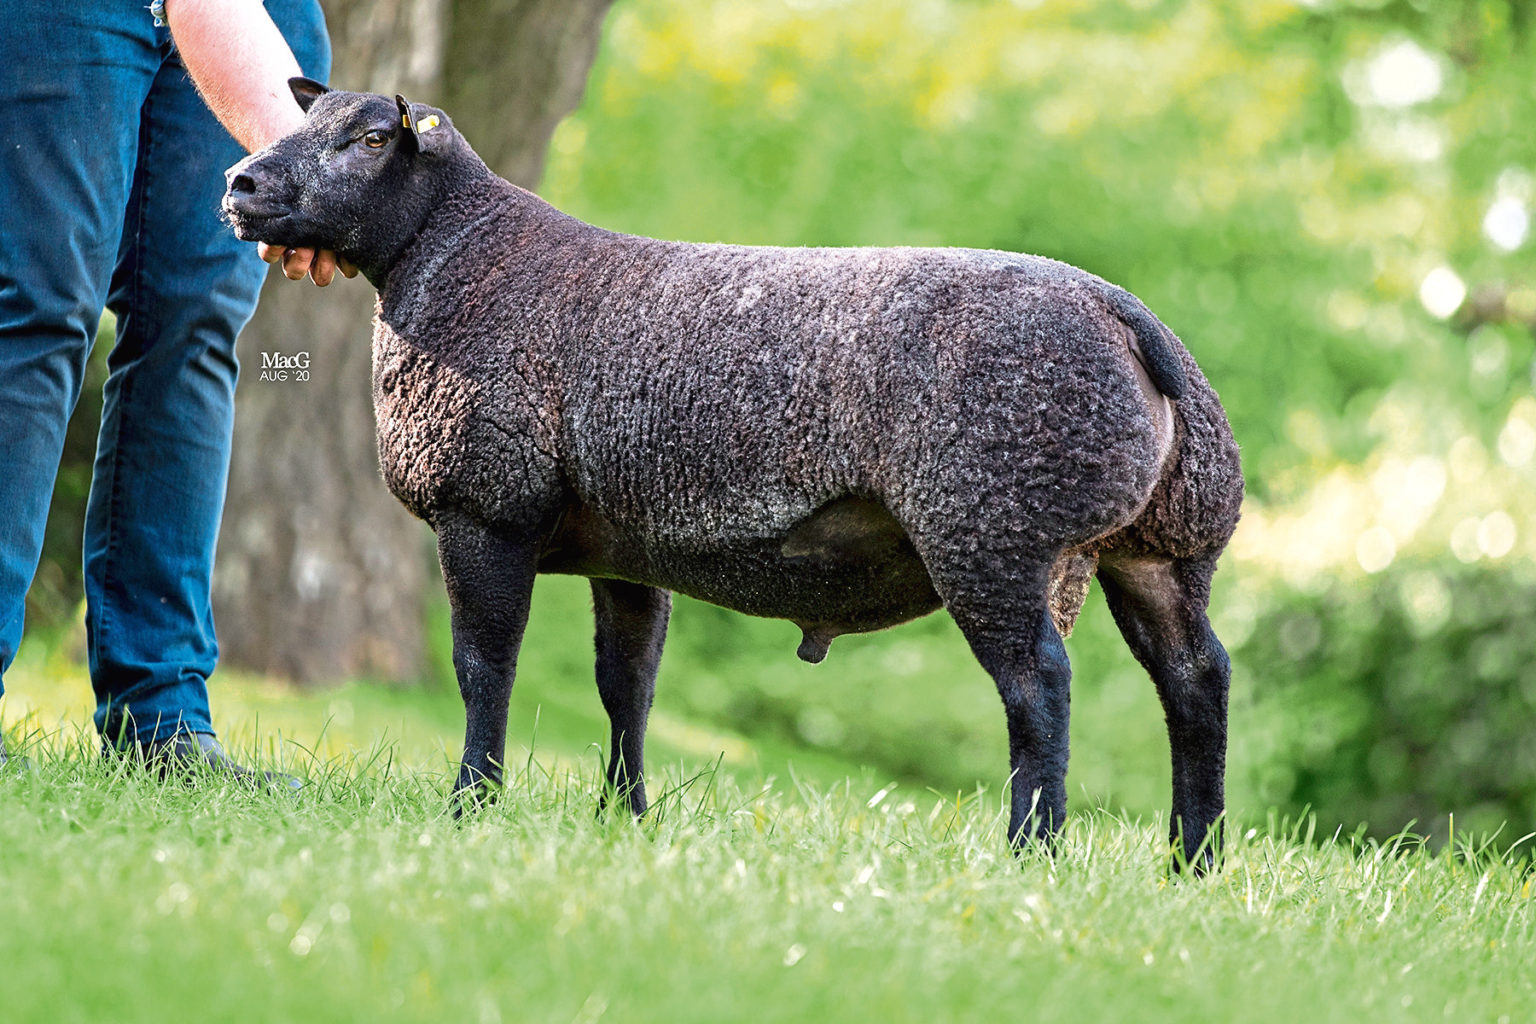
point(520, 217)
point(419, 215)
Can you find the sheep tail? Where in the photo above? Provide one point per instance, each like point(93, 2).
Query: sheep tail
point(1158, 352)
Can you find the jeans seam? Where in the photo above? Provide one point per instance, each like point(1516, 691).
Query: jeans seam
point(134, 290)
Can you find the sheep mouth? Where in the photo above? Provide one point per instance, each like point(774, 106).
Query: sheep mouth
point(252, 223)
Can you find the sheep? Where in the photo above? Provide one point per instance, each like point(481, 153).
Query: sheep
point(846, 438)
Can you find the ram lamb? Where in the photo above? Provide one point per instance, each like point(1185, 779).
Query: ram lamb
point(843, 438)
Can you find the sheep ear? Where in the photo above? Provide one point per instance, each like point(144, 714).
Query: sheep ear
point(428, 127)
point(306, 91)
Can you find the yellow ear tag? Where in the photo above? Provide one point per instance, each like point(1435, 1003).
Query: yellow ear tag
point(426, 124)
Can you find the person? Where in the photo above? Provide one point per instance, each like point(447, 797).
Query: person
point(112, 171)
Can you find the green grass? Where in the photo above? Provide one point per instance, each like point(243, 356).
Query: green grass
point(127, 899)
point(775, 879)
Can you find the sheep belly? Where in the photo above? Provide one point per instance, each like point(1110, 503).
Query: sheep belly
point(847, 568)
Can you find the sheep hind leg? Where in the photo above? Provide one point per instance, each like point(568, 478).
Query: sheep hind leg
point(1160, 606)
point(1011, 633)
point(631, 629)
point(489, 577)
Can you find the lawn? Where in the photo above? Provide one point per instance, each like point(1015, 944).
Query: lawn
point(127, 899)
point(774, 880)
point(769, 884)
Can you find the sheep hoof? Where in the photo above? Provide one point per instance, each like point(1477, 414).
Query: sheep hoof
point(473, 791)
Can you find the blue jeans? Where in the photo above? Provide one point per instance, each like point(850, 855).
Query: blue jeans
point(111, 171)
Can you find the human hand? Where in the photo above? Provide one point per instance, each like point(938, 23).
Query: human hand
point(320, 264)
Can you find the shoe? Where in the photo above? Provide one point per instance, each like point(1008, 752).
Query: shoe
point(176, 755)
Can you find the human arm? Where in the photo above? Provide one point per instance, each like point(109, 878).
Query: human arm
point(241, 65)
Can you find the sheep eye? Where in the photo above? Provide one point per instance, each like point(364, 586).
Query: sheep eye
point(376, 139)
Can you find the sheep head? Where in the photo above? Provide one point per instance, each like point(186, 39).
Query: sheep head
point(360, 176)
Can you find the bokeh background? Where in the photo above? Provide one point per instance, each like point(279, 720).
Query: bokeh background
point(1329, 201)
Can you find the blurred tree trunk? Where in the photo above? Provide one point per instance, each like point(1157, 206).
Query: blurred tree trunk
point(515, 68)
point(321, 574)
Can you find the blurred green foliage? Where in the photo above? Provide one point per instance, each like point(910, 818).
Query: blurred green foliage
point(1411, 700)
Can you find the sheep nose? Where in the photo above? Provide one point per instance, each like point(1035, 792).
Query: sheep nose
point(241, 181)
point(246, 177)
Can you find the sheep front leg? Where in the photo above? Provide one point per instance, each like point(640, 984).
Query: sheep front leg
point(1160, 607)
point(631, 629)
point(489, 575)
